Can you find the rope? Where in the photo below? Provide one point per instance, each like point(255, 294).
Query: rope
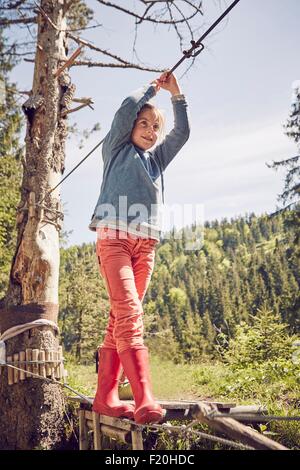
point(84, 397)
point(70, 172)
point(18, 329)
point(188, 429)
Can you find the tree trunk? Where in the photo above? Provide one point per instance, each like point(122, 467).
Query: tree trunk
point(32, 410)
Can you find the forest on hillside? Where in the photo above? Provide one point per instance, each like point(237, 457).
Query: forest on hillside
point(196, 299)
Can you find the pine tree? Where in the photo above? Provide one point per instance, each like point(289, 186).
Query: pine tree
point(291, 192)
point(10, 166)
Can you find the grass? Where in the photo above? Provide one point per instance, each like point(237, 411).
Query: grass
point(170, 381)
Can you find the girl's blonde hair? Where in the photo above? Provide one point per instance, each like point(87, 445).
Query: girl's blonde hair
point(161, 119)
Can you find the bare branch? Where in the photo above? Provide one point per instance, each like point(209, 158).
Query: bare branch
point(95, 48)
point(13, 6)
point(23, 16)
point(15, 91)
point(44, 14)
point(69, 62)
point(194, 6)
point(175, 26)
point(147, 18)
point(13, 54)
point(9, 22)
point(87, 102)
point(124, 66)
point(84, 29)
point(146, 11)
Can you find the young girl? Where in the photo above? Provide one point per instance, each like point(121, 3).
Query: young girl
point(126, 220)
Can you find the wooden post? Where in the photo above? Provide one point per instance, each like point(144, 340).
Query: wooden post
point(97, 431)
point(28, 355)
point(234, 429)
point(10, 372)
point(35, 367)
point(22, 366)
point(42, 366)
point(61, 365)
point(137, 440)
point(47, 358)
point(56, 365)
point(52, 369)
point(83, 432)
point(15, 371)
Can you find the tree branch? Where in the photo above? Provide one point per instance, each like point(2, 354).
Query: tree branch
point(44, 14)
point(95, 48)
point(145, 18)
point(124, 66)
point(9, 22)
point(12, 6)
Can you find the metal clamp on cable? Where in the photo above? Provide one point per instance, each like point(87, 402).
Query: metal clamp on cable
point(195, 45)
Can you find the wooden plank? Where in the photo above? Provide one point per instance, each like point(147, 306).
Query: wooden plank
point(97, 432)
point(35, 357)
point(15, 371)
point(175, 404)
point(55, 364)
point(61, 365)
point(52, 368)
point(111, 432)
point(137, 440)
point(83, 432)
point(28, 355)
point(42, 367)
point(22, 366)
point(10, 372)
point(119, 423)
point(47, 358)
point(234, 429)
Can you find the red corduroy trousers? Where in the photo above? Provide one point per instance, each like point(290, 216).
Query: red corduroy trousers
point(126, 263)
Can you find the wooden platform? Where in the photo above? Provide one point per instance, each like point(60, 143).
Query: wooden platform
point(125, 431)
point(175, 409)
point(93, 426)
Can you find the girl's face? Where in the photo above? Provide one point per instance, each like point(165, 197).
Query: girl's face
point(146, 130)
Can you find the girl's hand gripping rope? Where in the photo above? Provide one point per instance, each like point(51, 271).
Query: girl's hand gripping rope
point(167, 82)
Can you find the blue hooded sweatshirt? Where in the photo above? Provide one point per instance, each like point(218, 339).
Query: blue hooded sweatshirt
point(130, 193)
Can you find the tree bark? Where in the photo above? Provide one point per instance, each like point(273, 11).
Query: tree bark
point(32, 411)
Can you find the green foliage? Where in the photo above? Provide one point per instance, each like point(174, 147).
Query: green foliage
point(78, 15)
point(10, 167)
point(264, 339)
point(83, 302)
point(196, 301)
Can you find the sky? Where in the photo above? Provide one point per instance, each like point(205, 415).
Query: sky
point(239, 92)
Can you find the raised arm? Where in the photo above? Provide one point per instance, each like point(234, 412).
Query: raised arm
point(174, 141)
point(126, 115)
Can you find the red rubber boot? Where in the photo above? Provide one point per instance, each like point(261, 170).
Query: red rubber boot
point(106, 401)
point(136, 367)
